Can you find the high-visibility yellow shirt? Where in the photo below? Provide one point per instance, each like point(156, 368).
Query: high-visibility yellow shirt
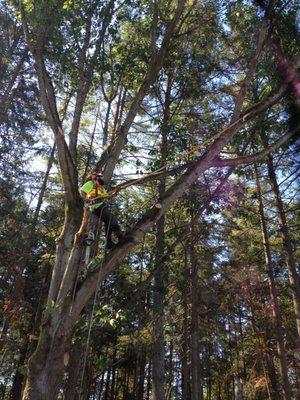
point(93, 190)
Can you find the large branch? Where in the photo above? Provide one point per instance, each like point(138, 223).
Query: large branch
point(260, 156)
point(111, 156)
point(86, 71)
point(48, 98)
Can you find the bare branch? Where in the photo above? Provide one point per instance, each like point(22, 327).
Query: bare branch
point(254, 158)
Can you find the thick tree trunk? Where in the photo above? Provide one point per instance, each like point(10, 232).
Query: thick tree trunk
point(46, 365)
point(74, 369)
point(273, 296)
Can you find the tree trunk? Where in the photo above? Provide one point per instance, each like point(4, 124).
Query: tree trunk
point(158, 356)
point(267, 359)
point(16, 390)
point(141, 376)
point(185, 370)
point(149, 380)
point(273, 295)
point(46, 365)
point(170, 371)
point(74, 369)
point(158, 359)
point(195, 360)
point(287, 243)
point(238, 388)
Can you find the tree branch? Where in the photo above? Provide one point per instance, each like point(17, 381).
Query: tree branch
point(111, 156)
point(254, 158)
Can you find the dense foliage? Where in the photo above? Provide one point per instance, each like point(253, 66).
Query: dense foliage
point(203, 304)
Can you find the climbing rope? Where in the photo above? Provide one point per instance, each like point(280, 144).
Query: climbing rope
point(93, 310)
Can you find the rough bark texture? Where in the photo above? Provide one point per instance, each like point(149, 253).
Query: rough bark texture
point(73, 370)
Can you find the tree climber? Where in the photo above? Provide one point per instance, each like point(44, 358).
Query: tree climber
point(95, 196)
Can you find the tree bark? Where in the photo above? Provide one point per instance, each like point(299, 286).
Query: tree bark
point(74, 369)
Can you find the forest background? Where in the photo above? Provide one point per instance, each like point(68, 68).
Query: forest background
point(190, 109)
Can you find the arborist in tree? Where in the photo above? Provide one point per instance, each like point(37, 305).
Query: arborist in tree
point(95, 196)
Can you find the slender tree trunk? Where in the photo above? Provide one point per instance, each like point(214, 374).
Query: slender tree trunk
point(170, 371)
point(286, 241)
point(272, 377)
point(17, 386)
point(195, 360)
point(158, 351)
point(149, 380)
point(141, 377)
point(101, 386)
point(273, 295)
point(113, 374)
point(158, 359)
point(267, 359)
point(107, 384)
point(185, 370)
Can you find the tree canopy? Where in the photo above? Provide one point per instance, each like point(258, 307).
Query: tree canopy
point(190, 110)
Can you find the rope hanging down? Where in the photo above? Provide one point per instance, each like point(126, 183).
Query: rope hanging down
point(92, 315)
